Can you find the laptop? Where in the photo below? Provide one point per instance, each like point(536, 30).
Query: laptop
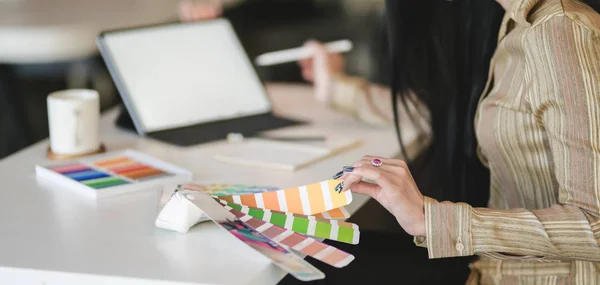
point(187, 83)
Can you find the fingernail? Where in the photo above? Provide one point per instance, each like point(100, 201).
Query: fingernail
point(339, 187)
point(348, 169)
point(338, 175)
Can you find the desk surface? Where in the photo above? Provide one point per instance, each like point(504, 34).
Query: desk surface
point(39, 31)
point(51, 235)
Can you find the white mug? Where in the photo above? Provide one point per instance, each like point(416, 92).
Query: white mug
point(74, 121)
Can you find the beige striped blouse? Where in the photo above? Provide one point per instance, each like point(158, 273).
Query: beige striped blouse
point(538, 128)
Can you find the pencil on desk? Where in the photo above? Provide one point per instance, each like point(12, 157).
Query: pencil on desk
point(293, 138)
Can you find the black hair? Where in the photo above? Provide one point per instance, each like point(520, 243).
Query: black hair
point(441, 51)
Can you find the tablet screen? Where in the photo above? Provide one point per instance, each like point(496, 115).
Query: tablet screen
point(183, 74)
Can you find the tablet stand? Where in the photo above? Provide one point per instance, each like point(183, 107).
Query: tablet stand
point(124, 120)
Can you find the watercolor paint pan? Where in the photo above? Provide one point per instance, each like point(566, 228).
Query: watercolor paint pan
point(89, 176)
point(105, 182)
point(113, 173)
point(130, 168)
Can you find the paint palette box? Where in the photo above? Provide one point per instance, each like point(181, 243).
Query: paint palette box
point(113, 173)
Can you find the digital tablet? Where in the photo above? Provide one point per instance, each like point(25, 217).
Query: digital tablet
point(187, 83)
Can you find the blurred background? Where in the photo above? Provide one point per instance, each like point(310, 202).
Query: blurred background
point(49, 45)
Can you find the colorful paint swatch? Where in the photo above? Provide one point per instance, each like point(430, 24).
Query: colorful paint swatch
point(105, 182)
point(110, 162)
point(70, 168)
point(308, 225)
point(218, 190)
point(339, 213)
point(278, 253)
point(307, 245)
point(88, 176)
point(308, 200)
point(229, 189)
point(129, 168)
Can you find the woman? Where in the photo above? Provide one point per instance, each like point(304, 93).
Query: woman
point(537, 130)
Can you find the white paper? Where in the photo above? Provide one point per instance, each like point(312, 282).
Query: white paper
point(282, 155)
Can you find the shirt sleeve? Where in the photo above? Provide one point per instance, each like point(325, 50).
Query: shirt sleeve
point(371, 104)
point(357, 97)
point(564, 59)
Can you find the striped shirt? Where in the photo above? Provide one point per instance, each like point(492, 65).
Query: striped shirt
point(538, 129)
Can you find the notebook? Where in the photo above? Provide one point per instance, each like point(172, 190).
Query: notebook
point(283, 155)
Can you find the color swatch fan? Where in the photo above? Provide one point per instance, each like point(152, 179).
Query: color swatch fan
point(295, 218)
point(313, 209)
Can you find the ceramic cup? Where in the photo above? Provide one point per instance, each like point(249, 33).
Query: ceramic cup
point(74, 121)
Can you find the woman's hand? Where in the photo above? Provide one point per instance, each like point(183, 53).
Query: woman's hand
point(197, 10)
point(321, 68)
point(392, 186)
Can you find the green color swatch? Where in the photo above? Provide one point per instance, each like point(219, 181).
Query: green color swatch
point(301, 225)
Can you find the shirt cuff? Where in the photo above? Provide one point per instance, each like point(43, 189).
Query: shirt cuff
point(344, 91)
point(448, 229)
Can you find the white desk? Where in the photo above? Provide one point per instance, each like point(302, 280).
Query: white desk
point(50, 236)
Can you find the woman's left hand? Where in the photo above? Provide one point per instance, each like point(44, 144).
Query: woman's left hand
point(393, 187)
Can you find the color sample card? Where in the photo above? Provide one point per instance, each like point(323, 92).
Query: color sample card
point(279, 255)
point(229, 189)
point(309, 246)
point(308, 225)
point(339, 213)
point(88, 176)
point(308, 200)
point(129, 168)
point(219, 190)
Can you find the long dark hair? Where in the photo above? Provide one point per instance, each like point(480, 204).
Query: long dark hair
point(441, 51)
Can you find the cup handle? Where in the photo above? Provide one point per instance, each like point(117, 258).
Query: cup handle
point(77, 135)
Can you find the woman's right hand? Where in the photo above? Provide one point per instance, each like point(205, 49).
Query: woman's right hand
point(321, 68)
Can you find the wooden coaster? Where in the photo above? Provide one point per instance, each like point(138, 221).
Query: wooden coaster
point(55, 156)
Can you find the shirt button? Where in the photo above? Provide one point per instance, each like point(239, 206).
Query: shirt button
point(460, 247)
